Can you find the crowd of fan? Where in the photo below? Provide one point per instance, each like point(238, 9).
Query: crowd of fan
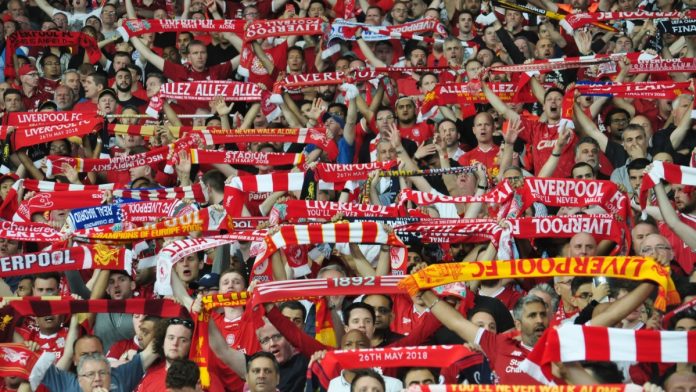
point(613, 139)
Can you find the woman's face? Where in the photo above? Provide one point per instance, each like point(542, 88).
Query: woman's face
point(315, 10)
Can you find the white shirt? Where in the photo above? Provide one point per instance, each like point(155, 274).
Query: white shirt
point(340, 384)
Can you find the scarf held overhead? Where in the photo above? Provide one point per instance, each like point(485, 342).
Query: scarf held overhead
point(49, 38)
point(25, 136)
point(527, 388)
point(570, 343)
point(33, 306)
point(263, 28)
point(246, 158)
point(68, 259)
point(138, 27)
point(629, 267)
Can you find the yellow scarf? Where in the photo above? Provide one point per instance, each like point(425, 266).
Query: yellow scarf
point(623, 267)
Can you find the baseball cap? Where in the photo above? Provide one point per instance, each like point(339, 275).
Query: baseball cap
point(27, 69)
point(341, 122)
point(206, 281)
point(108, 91)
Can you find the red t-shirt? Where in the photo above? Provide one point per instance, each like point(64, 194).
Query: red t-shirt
point(122, 346)
point(683, 254)
point(184, 73)
point(508, 296)
point(85, 106)
point(257, 73)
point(33, 102)
point(505, 354)
point(240, 335)
point(47, 343)
point(154, 379)
point(487, 158)
point(406, 319)
point(541, 137)
point(419, 132)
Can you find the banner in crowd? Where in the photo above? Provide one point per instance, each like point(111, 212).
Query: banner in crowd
point(623, 267)
point(206, 90)
point(345, 30)
point(33, 119)
point(574, 343)
point(644, 90)
point(246, 158)
point(49, 38)
point(294, 210)
point(526, 388)
point(67, 259)
point(137, 27)
point(131, 211)
point(678, 26)
point(29, 232)
point(674, 174)
point(16, 360)
point(581, 19)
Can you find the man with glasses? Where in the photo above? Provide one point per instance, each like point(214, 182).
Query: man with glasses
point(31, 95)
point(384, 315)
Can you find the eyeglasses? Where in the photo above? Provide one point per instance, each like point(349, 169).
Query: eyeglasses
point(656, 248)
point(584, 296)
point(178, 321)
point(275, 338)
point(92, 374)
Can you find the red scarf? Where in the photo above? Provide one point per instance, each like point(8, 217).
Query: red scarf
point(263, 28)
point(389, 357)
point(121, 163)
point(67, 200)
point(29, 232)
point(49, 38)
point(681, 308)
point(16, 360)
point(674, 174)
point(293, 210)
point(644, 90)
point(149, 130)
point(26, 136)
point(336, 172)
point(581, 19)
point(526, 388)
point(35, 306)
point(137, 27)
point(206, 90)
point(32, 119)
point(246, 158)
point(656, 65)
point(288, 290)
point(68, 259)
point(570, 343)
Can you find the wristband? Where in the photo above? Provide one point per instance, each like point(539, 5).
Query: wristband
point(482, 187)
point(556, 155)
point(433, 304)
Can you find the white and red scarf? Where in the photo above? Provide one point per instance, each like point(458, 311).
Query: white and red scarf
point(265, 28)
point(25, 136)
point(29, 232)
point(527, 388)
point(136, 27)
point(674, 174)
point(578, 20)
point(344, 30)
point(32, 119)
point(67, 259)
point(336, 172)
point(121, 163)
point(571, 343)
point(294, 210)
point(641, 90)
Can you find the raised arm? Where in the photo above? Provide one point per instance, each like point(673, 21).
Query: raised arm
point(684, 126)
point(498, 104)
point(263, 57)
point(234, 359)
point(621, 308)
point(147, 53)
point(351, 122)
point(45, 7)
point(551, 164)
point(586, 127)
point(369, 54)
point(449, 317)
point(684, 231)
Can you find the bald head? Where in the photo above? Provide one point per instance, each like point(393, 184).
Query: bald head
point(682, 381)
point(581, 245)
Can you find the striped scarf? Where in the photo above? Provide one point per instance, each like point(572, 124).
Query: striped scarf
point(36, 306)
point(674, 174)
point(570, 343)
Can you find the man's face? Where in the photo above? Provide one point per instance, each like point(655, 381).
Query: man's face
point(562, 287)
point(485, 320)
point(418, 58)
point(373, 17)
point(448, 133)
point(533, 323)
point(107, 104)
point(108, 15)
point(232, 282)
point(454, 53)
point(635, 177)
point(62, 97)
point(386, 152)
point(354, 340)
point(51, 67)
point(362, 320)
point(24, 288)
point(295, 61)
point(31, 79)
point(683, 106)
point(177, 342)
point(94, 374)
point(513, 20)
point(197, 57)
point(120, 286)
point(275, 343)
point(428, 83)
point(294, 315)
point(152, 86)
point(617, 123)
point(383, 312)
point(684, 201)
point(124, 81)
point(188, 268)
point(146, 332)
point(405, 110)
point(48, 325)
point(583, 296)
point(638, 234)
point(582, 245)
point(385, 53)
point(465, 23)
point(13, 103)
point(182, 42)
point(399, 13)
point(583, 173)
point(634, 139)
point(684, 381)
point(552, 105)
point(72, 80)
point(483, 128)
point(45, 287)
point(384, 120)
point(544, 49)
point(588, 153)
point(262, 375)
point(8, 247)
point(419, 377)
point(91, 88)
point(657, 246)
point(685, 324)
point(473, 6)
point(86, 346)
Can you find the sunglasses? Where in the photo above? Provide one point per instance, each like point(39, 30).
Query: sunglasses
point(179, 321)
